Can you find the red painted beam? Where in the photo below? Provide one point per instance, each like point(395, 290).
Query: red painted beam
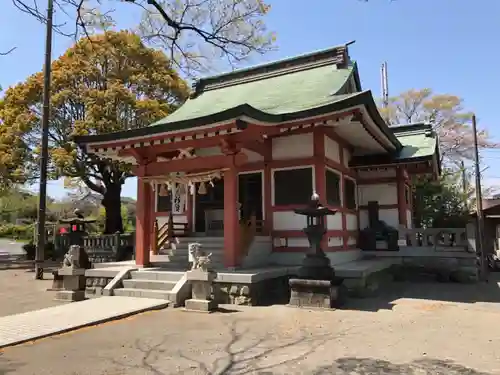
point(194, 164)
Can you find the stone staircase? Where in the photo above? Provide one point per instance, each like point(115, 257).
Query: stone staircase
point(169, 282)
point(179, 256)
point(167, 285)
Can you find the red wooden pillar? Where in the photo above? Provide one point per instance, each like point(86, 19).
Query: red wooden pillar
point(268, 212)
point(144, 223)
point(320, 171)
point(401, 187)
point(231, 220)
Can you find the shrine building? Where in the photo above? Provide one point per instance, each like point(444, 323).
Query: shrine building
point(249, 147)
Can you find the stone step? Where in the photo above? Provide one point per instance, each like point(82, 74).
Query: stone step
point(144, 293)
point(208, 247)
point(201, 239)
point(157, 275)
point(182, 255)
point(149, 284)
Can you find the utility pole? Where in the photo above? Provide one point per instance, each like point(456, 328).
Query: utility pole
point(479, 206)
point(384, 82)
point(42, 197)
point(465, 188)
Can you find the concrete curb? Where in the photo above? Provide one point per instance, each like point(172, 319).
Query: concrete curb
point(120, 316)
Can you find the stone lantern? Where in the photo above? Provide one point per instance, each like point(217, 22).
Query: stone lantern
point(316, 285)
point(316, 265)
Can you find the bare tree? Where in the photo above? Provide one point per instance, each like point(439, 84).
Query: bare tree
point(196, 33)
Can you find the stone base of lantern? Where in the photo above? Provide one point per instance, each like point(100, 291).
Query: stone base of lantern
point(201, 284)
point(323, 294)
point(70, 295)
point(73, 284)
point(316, 267)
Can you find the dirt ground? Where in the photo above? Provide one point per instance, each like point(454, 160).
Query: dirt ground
point(19, 292)
point(417, 329)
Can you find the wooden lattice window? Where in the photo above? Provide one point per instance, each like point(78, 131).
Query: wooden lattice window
point(293, 186)
point(349, 193)
point(333, 196)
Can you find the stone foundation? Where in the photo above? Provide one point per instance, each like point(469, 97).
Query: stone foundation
point(264, 292)
point(324, 294)
point(94, 286)
point(368, 285)
point(460, 270)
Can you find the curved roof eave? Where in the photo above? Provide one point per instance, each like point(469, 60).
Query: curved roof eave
point(362, 98)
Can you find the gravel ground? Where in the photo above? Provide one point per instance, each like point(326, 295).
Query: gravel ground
point(412, 329)
point(19, 292)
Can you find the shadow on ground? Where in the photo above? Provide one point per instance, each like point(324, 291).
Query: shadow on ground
point(387, 296)
point(371, 366)
point(7, 366)
point(266, 355)
point(18, 263)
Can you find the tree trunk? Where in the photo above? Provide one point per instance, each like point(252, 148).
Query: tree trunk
point(113, 205)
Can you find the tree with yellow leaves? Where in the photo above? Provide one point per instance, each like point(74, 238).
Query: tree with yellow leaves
point(105, 83)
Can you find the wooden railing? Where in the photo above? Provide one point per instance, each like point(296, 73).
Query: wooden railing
point(248, 229)
point(167, 232)
point(438, 239)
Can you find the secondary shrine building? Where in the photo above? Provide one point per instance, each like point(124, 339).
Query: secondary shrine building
point(253, 145)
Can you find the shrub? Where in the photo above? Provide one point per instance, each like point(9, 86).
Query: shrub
point(22, 232)
point(30, 250)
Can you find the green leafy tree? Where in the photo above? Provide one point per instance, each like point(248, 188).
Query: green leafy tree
point(107, 83)
point(442, 203)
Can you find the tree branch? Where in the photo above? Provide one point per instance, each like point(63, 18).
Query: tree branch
point(7, 52)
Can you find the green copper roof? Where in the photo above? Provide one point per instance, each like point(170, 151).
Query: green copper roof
point(286, 93)
point(418, 140)
point(304, 86)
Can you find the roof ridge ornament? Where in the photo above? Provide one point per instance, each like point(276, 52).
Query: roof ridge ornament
point(196, 89)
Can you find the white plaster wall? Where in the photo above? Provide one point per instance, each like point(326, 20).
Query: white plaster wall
point(335, 241)
point(298, 242)
point(332, 149)
point(253, 156)
point(351, 222)
point(288, 220)
point(409, 219)
point(293, 146)
point(347, 157)
point(352, 241)
point(334, 222)
point(381, 193)
point(381, 173)
point(390, 216)
point(295, 259)
point(209, 151)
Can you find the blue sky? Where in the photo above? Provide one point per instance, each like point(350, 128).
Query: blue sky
point(450, 46)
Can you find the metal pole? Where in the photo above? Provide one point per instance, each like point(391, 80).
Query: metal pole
point(479, 205)
point(464, 184)
point(42, 198)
